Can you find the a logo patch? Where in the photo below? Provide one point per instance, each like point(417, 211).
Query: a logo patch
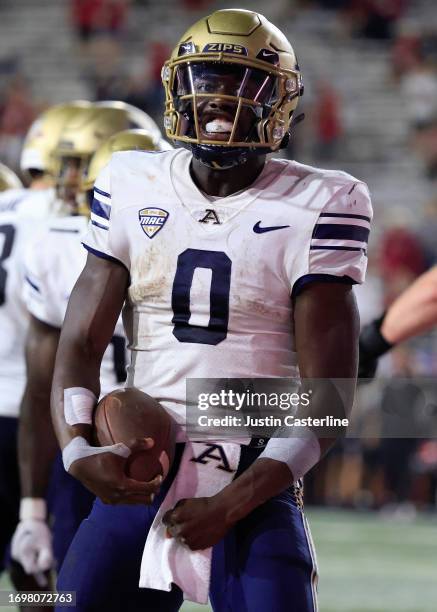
point(261, 230)
point(221, 458)
point(210, 215)
point(152, 220)
point(266, 55)
point(186, 47)
point(224, 48)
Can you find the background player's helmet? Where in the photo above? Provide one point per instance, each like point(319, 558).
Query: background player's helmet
point(138, 119)
point(127, 140)
point(89, 128)
point(79, 140)
point(266, 79)
point(43, 136)
point(8, 179)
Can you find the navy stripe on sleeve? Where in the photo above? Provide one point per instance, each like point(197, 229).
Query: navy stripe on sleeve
point(104, 255)
point(100, 209)
point(64, 230)
point(103, 193)
point(337, 248)
point(99, 225)
point(346, 216)
point(334, 231)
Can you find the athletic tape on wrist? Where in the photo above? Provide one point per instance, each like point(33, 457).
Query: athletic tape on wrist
point(79, 405)
point(300, 453)
point(34, 508)
point(78, 448)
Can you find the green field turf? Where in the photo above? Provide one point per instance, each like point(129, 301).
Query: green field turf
point(369, 564)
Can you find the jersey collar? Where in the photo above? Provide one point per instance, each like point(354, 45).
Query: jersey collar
point(196, 202)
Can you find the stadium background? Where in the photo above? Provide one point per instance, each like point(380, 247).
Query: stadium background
point(370, 74)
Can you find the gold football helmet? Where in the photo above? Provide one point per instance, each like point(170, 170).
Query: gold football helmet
point(80, 138)
point(127, 140)
point(239, 58)
point(8, 179)
point(89, 128)
point(138, 118)
point(43, 136)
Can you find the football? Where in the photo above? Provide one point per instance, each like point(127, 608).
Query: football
point(129, 414)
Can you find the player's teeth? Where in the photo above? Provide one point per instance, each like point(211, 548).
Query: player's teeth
point(219, 126)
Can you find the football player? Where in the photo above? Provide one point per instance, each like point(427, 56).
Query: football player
point(228, 265)
point(22, 211)
point(41, 139)
point(414, 312)
point(54, 260)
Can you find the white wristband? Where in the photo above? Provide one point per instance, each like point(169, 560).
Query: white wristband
point(79, 405)
point(33, 508)
point(300, 453)
point(78, 448)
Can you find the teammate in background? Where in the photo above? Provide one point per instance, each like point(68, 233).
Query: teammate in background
point(22, 212)
point(228, 266)
point(8, 179)
point(53, 263)
point(414, 312)
point(41, 139)
point(139, 119)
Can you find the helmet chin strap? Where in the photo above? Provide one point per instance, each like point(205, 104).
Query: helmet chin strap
point(223, 158)
point(219, 158)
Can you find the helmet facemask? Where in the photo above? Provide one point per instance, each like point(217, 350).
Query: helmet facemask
point(226, 111)
point(69, 174)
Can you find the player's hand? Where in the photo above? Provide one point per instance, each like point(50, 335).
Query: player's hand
point(197, 523)
point(32, 546)
point(104, 474)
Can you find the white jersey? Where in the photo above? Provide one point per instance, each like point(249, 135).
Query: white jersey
point(22, 212)
point(211, 279)
point(53, 263)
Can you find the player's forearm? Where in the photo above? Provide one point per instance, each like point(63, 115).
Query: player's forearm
point(77, 366)
point(398, 327)
point(86, 333)
point(414, 311)
point(327, 328)
point(264, 479)
point(37, 444)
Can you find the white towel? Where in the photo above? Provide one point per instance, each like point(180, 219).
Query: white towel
point(166, 560)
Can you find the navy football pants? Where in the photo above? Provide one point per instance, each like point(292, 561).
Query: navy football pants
point(68, 503)
point(265, 563)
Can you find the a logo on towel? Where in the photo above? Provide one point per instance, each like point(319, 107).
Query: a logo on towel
point(220, 457)
point(152, 220)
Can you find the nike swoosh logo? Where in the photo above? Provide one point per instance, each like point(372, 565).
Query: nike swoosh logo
point(261, 230)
